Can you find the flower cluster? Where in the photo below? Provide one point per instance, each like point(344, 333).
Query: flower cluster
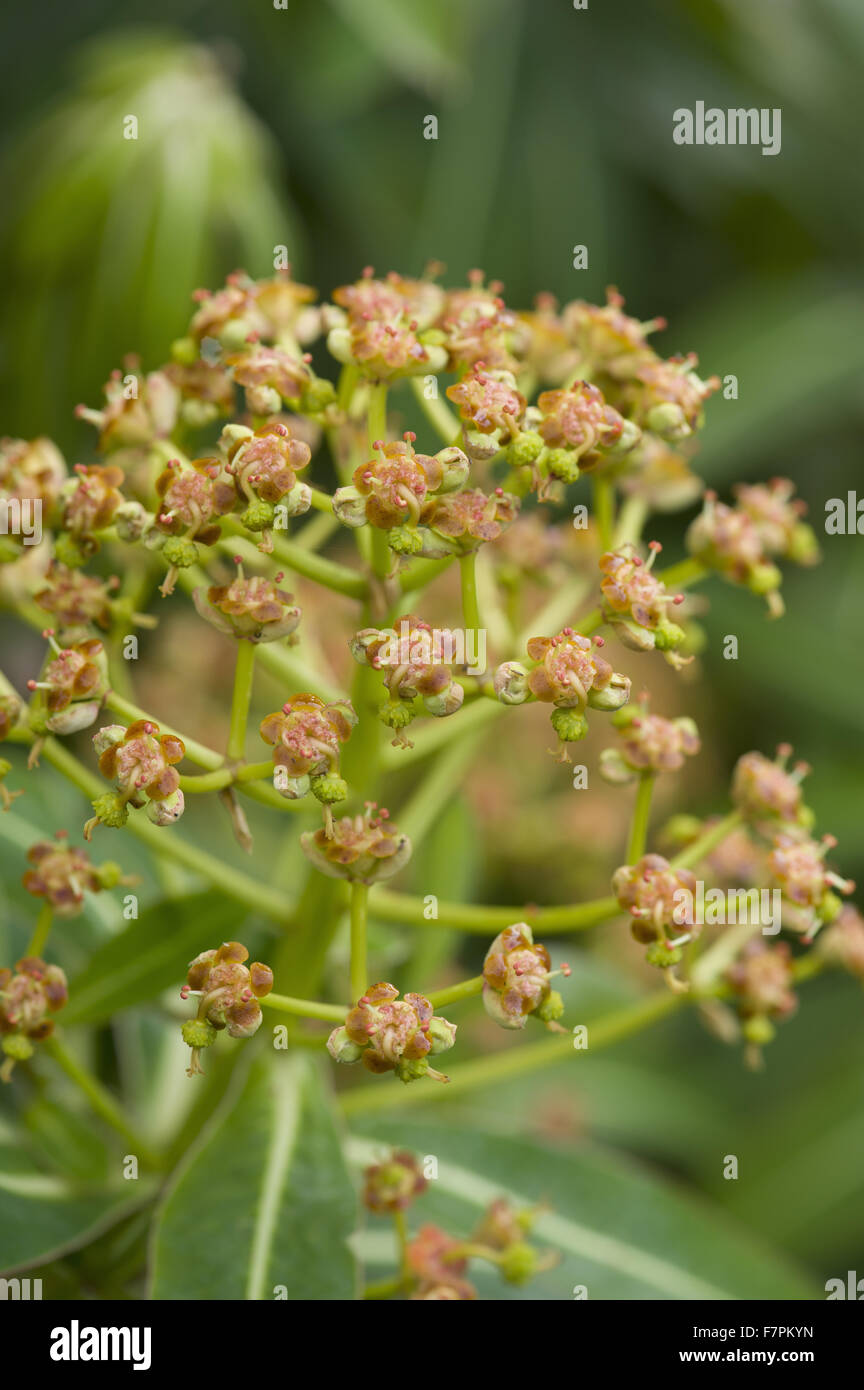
point(636, 603)
point(305, 736)
point(742, 542)
point(569, 674)
point(141, 762)
point(417, 665)
point(516, 975)
point(648, 743)
point(228, 992)
point(656, 895)
point(387, 1033)
point(252, 610)
point(61, 874)
point(27, 998)
point(364, 848)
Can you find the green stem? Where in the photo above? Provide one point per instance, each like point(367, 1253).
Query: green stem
point(701, 848)
point(195, 752)
point(41, 930)
point(101, 1101)
point(641, 814)
point(519, 1061)
point(631, 519)
point(241, 698)
point(226, 777)
point(411, 911)
point(603, 496)
point(686, 572)
point(306, 1008)
point(302, 561)
point(466, 990)
point(470, 606)
point(359, 967)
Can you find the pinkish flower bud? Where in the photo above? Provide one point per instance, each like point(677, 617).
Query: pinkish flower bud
point(392, 1184)
point(364, 848)
point(392, 1034)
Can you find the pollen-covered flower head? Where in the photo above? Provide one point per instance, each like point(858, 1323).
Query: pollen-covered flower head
point(761, 980)
point(391, 489)
point(765, 789)
point(728, 540)
point(478, 327)
point(382, 327)
point(62, 874)
point(648, 743)
point(365, 848)
point(394, 1182)
point(579, 420)
point(192, 499)
point(229, 314)
point(387, 1033)
point(76, 600)
point(229, 989)
point(797, 867)
point(414, 660)
point(777, 514)
point(306, 734)
point(608, 341)
point(657, 896)
point(637, 604)
point(72, 684)
point(470, 517)
point(32, 470)
point(668, 397)
point(571, 673)
point(92, 498)
point(254, 609)
point(265, 462)
point(140, 760)
point(27, 998)
point(134, 418)
point(516, 975)
point(489, 402)
point(269, 375)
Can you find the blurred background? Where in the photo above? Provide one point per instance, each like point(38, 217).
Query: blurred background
point(303, 126)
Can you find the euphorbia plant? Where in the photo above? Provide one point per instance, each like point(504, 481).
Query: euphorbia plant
point(216, 481)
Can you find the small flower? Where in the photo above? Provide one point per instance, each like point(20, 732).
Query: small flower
point(264, 465)
point(62, 874)
point(434, 1259)
point(193, 500)
point(365, 848)
point(516, 975)
point(26, 998)
point(637, 605)
point(659, 475)
point(727, 539)
point(32, 471)
point(656, 895)
point(73, 685)
point(306, 735)
point(763, 789)
point(255, 609)
point(270, 375)
point(578, 421)
point(478, 327)
point(761, 982)
point(76, 600)
point(392, 1184)
point(230, 314)
point(609, 342)
point(796, 866)
point(389, 1034)
point(228, 992)
point(92, 498)
point(391, 490)
point(843, 942)
point(416, 662)
point(490, 406)
point(381, 327)
point(668, 397)
point(466, 519)
point(777, 513)
point(134, 419)
point(140, 761)
point(648, 743)
point(571, 675)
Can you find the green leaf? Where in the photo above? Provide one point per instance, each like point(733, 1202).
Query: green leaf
point(147, 958)
point(618, 1230)
point(263, 1200)
point(42, 1215)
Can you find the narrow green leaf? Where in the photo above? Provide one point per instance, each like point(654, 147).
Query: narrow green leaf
point(264, 1205)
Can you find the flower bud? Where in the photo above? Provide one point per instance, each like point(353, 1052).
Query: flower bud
point(510, 683)
point(394, 1183)
point(392, 1034)
point(362, 848)
point(167, 810)
point(516, 975)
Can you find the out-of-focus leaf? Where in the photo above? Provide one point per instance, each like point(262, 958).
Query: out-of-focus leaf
point(416, 41)
point(617, 1229)
point(147, 958)
point(69, 1142)
point(264, 1199)
point(41, 1214)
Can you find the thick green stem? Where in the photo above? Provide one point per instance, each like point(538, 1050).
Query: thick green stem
point(241, 698)
point(466, 990)
point(470, 606)
point(641, 815)
point(226, 777)
point(306, 1008)
point(41, 930)
point(486, 921)
point(101, 1101)
point(359, 966)
point(702, 847)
